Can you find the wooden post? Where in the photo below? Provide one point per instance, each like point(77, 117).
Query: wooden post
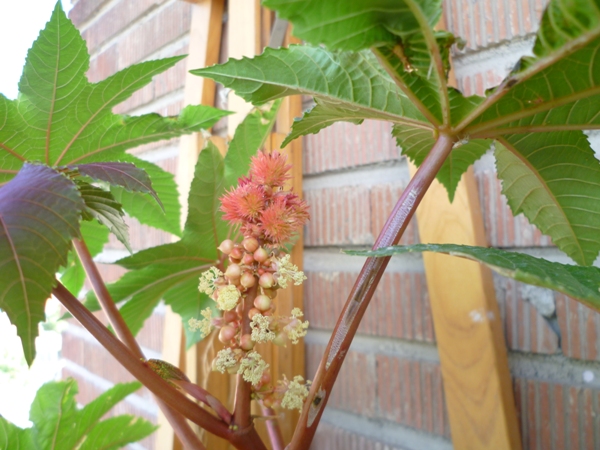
point(467, 323)
point(249, 30)
point(205, 44)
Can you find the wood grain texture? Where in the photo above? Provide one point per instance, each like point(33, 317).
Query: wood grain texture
point(467, 324)
point(205, 43)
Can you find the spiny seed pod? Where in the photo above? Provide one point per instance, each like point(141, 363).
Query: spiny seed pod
point(262, 302)
point(226, 246)
point(250, 244)
point(266, 280)
point(261, 255)
point(252, 313)
point(226, 334)
point(233, 272)
point(248, 259)
point(237, 252)
point(247, 280)
point(266, 377)
point(230, 316)
point(246, 342)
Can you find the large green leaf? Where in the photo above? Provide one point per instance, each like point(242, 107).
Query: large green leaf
point(116, 432)
point(416, 144)
point(61, 118)
point(59, 425)
point(554, 179)
point(358, 24)
point(559, 86)
point(144, 207)
point(186, 300)
point(39, 215)
point(400, 33)
point(14, 438)
point(346, 83)
point(581, 283)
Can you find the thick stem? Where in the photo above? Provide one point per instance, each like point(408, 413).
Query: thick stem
point(362, 292)
point(272, 424)
point(104, 298)
point(180, 426)
point(241, 412)
point(139, 368)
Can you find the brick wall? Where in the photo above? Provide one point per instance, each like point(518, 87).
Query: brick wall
point(390, 394)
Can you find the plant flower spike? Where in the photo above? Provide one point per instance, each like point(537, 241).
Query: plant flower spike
point(268, 217)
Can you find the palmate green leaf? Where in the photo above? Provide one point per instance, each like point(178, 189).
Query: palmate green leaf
point(581, 283)
point(344, 83)
point(558, 87)
point(61, 118)
point(416, 144)
point(358, 24)
point(400, 33)
point(171, 271)
point(144, 207)
point(59, 425)
point(39, 215)
point(143, 289)
point(116, 432)
point(14, 438)
point(554, 180)
point(125, 175)
point(186, 300)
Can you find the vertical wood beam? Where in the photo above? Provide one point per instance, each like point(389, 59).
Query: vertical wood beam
point(205, 43)
point(467, 322)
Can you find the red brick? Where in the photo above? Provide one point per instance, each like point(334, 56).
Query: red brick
point(334, 224)
point(329, 437)
point(490, 22)
point(400, 307)
point(151, 35)
point(116, 19)
point(103, 65)
point(407, 394)
point(345, 145)
point(82, 10)
point(524, 328)
point(579, 327)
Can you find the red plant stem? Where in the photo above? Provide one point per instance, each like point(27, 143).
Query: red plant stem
point(202, 395)
point(241, 410)
point(180, 426)
point(273, 429)
point(362, 292)
point(151, 380)
point(104, 298)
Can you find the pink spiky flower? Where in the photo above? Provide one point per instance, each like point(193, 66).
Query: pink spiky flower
point(270, 169)
point(259, 204)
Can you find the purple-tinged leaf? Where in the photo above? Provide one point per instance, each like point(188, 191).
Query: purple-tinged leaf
point(39, 215)
point(122, 174)
point(101, 205)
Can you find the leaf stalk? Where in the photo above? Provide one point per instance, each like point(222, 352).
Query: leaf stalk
point(362, 292)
